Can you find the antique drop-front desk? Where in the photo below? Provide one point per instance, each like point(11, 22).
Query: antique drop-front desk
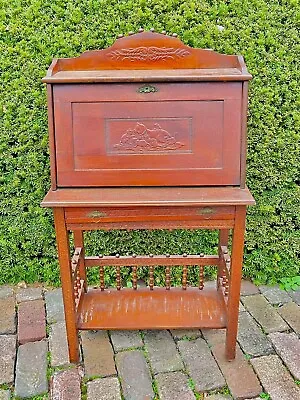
point(149, 134)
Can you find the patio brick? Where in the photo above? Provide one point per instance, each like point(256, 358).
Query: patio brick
point(287, 345)
point(174, 386)
point(122, 340)
point(29, 294)
point(251, 338)
point(7, 315)
point(295, 295)
point(65, 385)
point(6, 291)
point(264, 313)
point(4, 394)
point(239, 375)
point(58, 344)
point(98, 354)
point(274, 294)
point(31, 321)
point(275, 378)
point(54, 306)
point(162, 351)
point(7, 358)
point(201, 365)
point(134, 375)
point(104, 389)
point(248, 288)
point(31, 370)
point(291, 313)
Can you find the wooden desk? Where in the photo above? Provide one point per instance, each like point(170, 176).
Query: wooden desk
point(149, 134)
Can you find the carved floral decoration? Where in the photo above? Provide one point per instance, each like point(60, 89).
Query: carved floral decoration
point(143, 140)
point(148, 54)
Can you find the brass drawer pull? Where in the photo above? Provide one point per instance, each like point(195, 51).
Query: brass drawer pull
point(95, 214)
point(147, 89)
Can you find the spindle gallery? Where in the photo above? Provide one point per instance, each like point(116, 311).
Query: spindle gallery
point(149, 134)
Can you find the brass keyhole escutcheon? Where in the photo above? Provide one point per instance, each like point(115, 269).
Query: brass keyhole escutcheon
point(147, 89)
point(205, 211)
point(96, 214)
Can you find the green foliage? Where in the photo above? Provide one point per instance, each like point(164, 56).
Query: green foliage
point(32, 32)
point(290, 283)
point(265, 396)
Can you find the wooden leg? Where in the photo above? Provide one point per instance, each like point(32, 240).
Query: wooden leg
point(79, 242)
point(223, 241)
point(223, 237)
point(235, 282)
point(63, 246)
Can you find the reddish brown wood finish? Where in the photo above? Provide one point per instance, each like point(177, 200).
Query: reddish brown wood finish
point(158, 197)
point(148, 51)
point(149, 134)
point(67, 284)
point(235, 281)
point(148, 309)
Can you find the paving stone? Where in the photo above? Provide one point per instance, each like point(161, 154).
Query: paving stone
point(54, 306)
point(134, 375)
point(31, 321)
point(58, 344)
point(287, 345)
point(122, 340)
point(275, 378)
point(7, 358)
point(264, 313)
point(295, 295)
point(104, 389)
point(275, 295)
point(6, 291)
point(174, 386)
point(214, 336)
point(218, 397)
point(179, 334)
point(31, 370)
point(241, 307)
point(239, 375)
point(29, 294)
point(162, 351)
point(248, 288)
point(251, 338)
point(98, 354)
point(291, 313)
point(65, 385)
point(7, 315)
point(201, 365)
point(4, 394)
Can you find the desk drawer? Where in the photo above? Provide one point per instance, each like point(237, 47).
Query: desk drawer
point(179, 134)
point(96, 215)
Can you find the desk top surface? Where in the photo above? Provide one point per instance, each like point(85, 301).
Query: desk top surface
point(148, 196)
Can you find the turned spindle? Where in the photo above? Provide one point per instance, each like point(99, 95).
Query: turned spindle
point(134, 277)
point(101, 275)
point(168, 277)
point(151, 277)
point(118, 278)
point(201, 277)
point(184, 277)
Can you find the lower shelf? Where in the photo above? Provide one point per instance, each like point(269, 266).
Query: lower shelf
point(155, 309)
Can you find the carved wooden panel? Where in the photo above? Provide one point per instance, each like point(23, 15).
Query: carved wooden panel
point(115, 135)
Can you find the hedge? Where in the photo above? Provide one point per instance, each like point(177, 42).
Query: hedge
point(265, 33)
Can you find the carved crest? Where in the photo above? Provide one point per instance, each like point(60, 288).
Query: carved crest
point(143, 140)
point(149, 54)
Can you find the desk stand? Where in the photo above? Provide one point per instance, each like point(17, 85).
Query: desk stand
point(151, 307)
point(149, 134)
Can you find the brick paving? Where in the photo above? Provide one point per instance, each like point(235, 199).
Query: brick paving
point(159, 365)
